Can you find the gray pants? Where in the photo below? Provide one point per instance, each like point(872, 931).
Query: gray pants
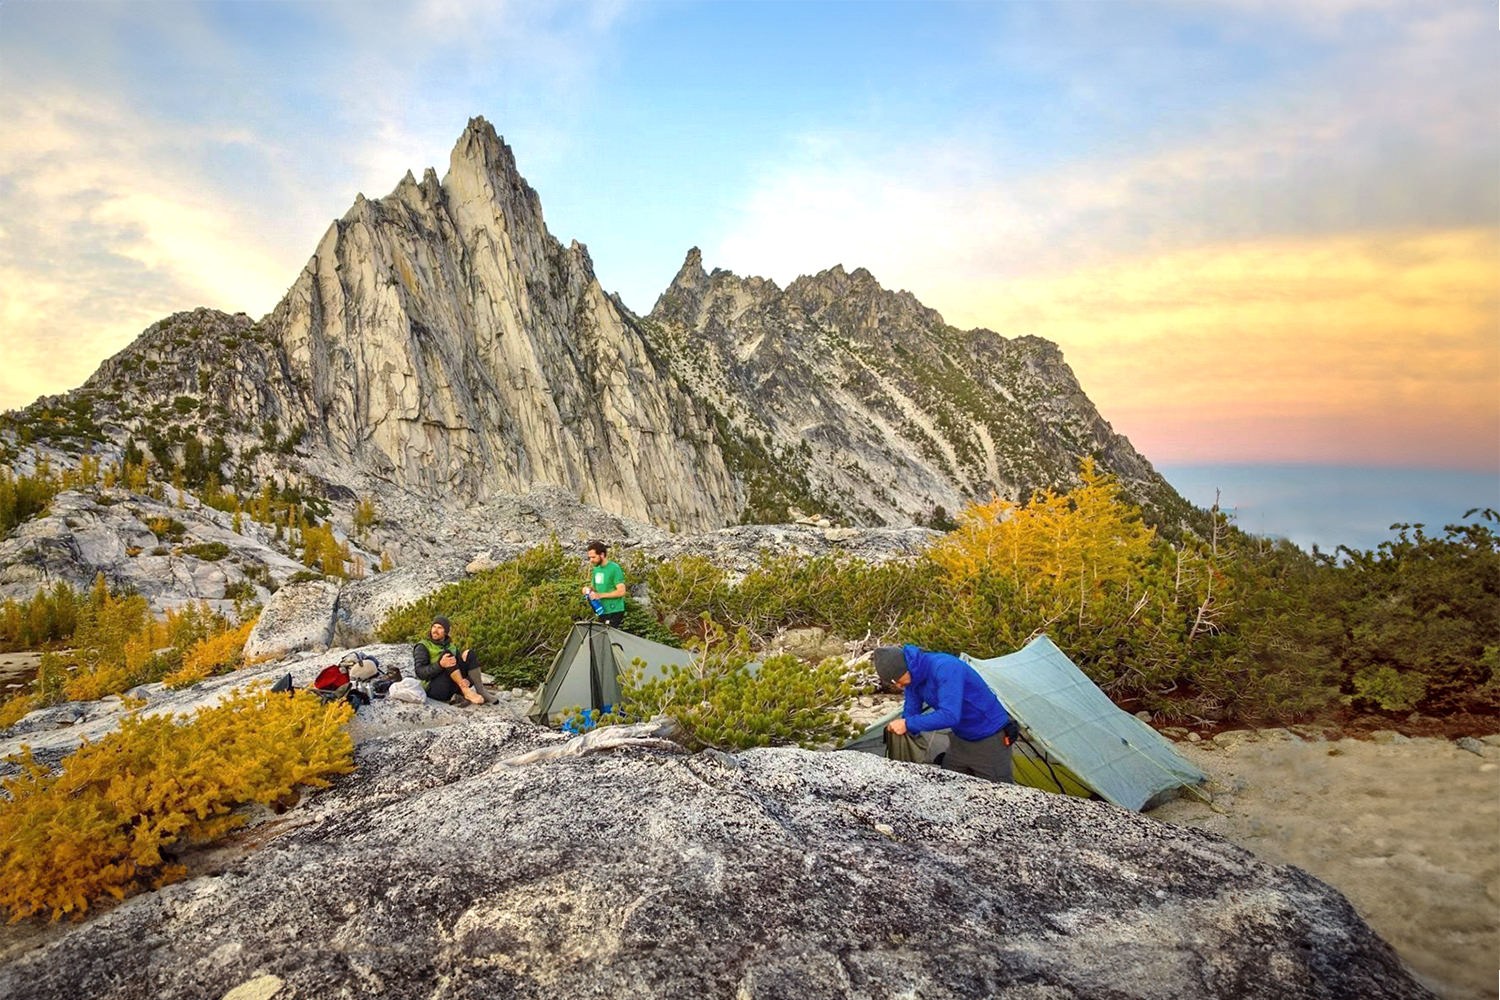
point(988, 758)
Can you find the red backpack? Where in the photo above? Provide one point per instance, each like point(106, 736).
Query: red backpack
point(331, 678)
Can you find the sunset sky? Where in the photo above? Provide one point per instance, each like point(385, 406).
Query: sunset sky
point(1261, 232)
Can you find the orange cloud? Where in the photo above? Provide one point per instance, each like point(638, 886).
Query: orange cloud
point(1377, 349)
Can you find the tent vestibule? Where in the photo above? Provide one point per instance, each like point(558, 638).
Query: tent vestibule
point(586, 671)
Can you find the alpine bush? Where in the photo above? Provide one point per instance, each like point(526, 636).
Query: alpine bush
point(722, 701)
point(1213, 628)
point(111, 820)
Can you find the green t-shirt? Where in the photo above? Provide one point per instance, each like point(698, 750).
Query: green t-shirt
point(607, 578)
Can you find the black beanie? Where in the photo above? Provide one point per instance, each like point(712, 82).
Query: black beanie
point(889, 662)
point(447, 628)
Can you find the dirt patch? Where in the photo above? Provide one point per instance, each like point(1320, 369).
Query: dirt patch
point(1408, 829)
point(17, 670)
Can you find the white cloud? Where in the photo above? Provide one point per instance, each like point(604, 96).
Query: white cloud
point(1397, 135)
point(111, 224)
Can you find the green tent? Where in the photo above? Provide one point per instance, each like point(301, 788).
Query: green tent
point(586, 671)
point(1075, 740)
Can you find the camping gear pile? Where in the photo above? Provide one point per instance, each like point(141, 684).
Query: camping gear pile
point(357, 679)
point(1072, 739)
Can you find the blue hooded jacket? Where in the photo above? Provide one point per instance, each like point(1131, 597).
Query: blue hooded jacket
point(958, 697)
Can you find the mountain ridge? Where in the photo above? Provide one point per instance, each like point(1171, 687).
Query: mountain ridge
point(440, 341)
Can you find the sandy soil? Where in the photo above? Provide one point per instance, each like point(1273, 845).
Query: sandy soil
point(1408, 829)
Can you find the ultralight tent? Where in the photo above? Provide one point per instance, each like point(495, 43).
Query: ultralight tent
point(1075, 740)
point(586, 671)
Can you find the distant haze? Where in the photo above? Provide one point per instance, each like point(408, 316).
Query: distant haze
point(1331, 506)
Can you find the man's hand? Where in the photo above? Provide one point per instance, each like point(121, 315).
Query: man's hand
point(447, 660)
point(897, 726)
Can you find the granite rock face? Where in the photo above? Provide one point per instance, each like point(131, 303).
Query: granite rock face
point(298, 616)
point(449, 343)
point(168, 553)
point(741, 549)
point(437, 870)
point(363, 604)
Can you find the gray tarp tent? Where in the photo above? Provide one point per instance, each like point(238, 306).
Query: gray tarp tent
point(1083, 742)
point(586, 671)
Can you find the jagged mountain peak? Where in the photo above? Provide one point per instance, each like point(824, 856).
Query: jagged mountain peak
point(838, 394)
point(845, 289)
point(693, 290)
point(449, 343)
point(480, 143)
point(691, 274)
point(480, 149)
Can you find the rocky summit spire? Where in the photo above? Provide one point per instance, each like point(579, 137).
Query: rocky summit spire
point(450, 344)
point(691, 274)
point(679, 303)
point(485, 186)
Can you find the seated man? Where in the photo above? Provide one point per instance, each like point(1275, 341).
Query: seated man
point(959, 700)
point(446, 673)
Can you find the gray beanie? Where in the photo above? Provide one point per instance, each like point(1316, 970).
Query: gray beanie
point(890, 663)
point(447, 629)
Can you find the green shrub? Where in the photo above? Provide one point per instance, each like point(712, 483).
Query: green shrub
point(207, 551)
point(722, 702)
point(239, 590)
point(167, 528)
point(1222, 628)
point(293, 438)
point(1390, 690)
point(1424, 607)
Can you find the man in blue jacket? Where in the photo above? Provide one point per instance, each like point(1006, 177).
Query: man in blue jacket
point(944, 692)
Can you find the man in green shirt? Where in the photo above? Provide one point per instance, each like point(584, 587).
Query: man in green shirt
point(607, 585)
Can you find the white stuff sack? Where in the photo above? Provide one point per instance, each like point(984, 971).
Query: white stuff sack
point(407, 689)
